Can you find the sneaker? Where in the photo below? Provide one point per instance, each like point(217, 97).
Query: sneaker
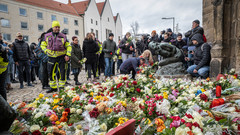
point(21, 86)
point(51, 90)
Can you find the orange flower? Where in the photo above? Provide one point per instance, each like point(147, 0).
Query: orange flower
point(53, 117)
point(190, 133)
point(64, 114)
point(161, 128)
point(63, 119)
point(59, 126)
point(150, 76)
point(54, 95)
point(77, 98)
point(159, 122)
point(22, 105)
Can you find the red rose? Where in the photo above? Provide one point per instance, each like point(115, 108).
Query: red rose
point(70, 124)
point(111, 53)
point(81, 104)
point(112, 89)
point(67, 110)
point(204, 97)
point(195, 124)
point(24, 133)
point(177, 118)
point(125, 78)
point(134, 83)
point(183, 121)
point(189, 116)
point(138, 90)
point(161, 97)
point(37, 132)
point(112, 94)
point(189, 124)
point(119, 85)
point(45, 128)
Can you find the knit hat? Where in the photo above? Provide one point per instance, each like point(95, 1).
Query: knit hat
point(154, 31)
point(169, 30)
point(197, 21)
point(111, 34)
point(55, 24)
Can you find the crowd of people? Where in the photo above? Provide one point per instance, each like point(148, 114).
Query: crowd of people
point(54, 56)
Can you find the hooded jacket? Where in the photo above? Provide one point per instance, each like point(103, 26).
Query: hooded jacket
point(76, 55)
point(202, 55)
point(194, 31)
point(21, 51)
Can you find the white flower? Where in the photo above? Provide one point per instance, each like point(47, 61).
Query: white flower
point(103, 127)
point(34, 128)
point(49, 129)
point(89, 107)
point(72, 110)
point(197, 131)
point(180, 131)
point(78, 132)
point(164, 107)
point(38, 115)
point(79, 111)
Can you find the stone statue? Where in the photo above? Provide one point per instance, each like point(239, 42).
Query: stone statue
point(172, 59)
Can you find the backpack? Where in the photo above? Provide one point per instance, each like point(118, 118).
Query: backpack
point(204, 39)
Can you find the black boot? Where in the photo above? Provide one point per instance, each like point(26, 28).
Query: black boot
point(76, 80)
point(51, 90)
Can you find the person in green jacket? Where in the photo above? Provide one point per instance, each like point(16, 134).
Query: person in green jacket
point(109, 49)
point(76, 57)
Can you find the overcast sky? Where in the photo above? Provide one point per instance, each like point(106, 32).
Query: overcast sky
point(149, 13)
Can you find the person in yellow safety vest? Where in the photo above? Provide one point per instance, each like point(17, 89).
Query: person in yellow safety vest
point(119, 62)
point(3, 70)
point(58, 49)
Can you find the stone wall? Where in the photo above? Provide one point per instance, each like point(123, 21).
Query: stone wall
point(221, 24)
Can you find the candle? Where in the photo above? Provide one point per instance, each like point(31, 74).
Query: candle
point(218, 91)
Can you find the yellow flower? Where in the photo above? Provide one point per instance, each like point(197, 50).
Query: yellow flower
point(91, 94)
point(41, 95)
point(116, 124)
point(57, 122)
point(123, 103)
point(202, 90)
point(37, 99)
point(165, 95)
point(55, 101)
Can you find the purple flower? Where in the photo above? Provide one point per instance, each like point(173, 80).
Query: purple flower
point(175, 93)
point(175, 123)
point(171, 97)
point(49, 113)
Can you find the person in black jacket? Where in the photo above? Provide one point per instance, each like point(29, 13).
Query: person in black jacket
point(195, 29)
point(90, 48)
point(154, 38)
point(202, 57)
point(127, 47)
point(22, 56)
point(179, 42)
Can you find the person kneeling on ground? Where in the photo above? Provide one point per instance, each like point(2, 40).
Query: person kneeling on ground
point(131, 64)
point(202, 57)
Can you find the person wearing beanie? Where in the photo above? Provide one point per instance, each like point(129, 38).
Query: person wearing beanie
point(109, 49)
point(127, 47)
point(58, 49)
point(195, 29)
point(179, 42)
point(202, 57)
point(172, 36)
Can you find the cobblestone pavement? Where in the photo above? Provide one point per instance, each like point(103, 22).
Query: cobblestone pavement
point(29, 93)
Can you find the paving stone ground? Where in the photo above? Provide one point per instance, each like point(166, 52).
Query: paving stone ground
point(29, 93)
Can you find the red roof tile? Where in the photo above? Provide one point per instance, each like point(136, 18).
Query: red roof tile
point(52, 5)
point(100, 7)
point(81, 6)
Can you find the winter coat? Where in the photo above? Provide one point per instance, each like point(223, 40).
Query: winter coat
point(154, 38)
point(130, 64)
point(126, 49)
point(194, 31)
point(21, 51)
point(90, 48)
point(179, 44)
point(109, 48)
point(76, 56)
point(202, 55)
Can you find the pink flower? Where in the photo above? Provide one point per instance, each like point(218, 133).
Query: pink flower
point(147, 96)
point(175, 124)
point(171, 97)
point(175, 93)
point(49, 113)
point(150, 113)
